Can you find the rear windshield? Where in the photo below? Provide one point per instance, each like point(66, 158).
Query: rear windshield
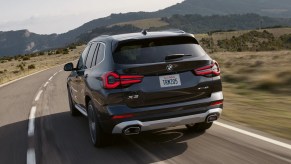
point(155, 50)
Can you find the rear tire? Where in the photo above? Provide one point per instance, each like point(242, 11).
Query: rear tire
point(98, 137)
point(199, 127)
point(73, 110)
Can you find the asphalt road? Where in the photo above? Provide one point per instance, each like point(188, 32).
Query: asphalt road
point(58, 138)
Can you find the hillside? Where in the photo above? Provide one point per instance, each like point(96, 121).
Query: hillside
point(278, 8)
point(144, 23)
point(23, 41)
point(203, 24)
point(272, 39)
point(191, 23)
point(13, 42)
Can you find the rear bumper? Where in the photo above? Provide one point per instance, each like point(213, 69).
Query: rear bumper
point(175, 109)
point(157, 124)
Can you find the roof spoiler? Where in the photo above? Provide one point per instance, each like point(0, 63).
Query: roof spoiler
point(175, 31)
point(144, 31)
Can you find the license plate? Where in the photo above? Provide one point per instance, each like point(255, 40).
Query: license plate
point(170, 80)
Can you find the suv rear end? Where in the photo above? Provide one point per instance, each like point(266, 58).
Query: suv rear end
point(153, 80)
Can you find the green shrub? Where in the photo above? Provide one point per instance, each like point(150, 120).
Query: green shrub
point(32, 66)
point(25, 58)
point(33, 55)
point(15, 72)
point(266, 86)
point(65, 51)
point(72, 47)
point(16, 57)
point(207, 42)
point(20, 66)
point(251, 41)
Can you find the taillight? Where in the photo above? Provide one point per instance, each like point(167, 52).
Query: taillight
point(130, 79)
point(113, 80)
point(212, 69)
point(220, 102)
point(110, 80)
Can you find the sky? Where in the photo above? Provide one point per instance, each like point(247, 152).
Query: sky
point(59, 16)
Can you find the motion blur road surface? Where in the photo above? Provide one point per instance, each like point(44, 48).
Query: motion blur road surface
point(59, 138)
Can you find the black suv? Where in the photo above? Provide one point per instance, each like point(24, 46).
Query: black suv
point(130, 83)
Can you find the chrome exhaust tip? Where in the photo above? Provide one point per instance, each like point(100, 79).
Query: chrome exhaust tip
point(212, 117)
point(131, 130)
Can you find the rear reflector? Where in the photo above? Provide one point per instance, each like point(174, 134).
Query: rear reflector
point(216, 103)
point(122, 116)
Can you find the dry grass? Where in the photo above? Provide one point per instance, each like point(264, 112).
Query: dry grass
point(277, 32)
point(40, 63)
point(144, 23)
point(257, 89)
point(200, 36)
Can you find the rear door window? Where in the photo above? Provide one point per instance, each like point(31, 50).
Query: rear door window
point(155, 50)
point(101, 54)
point(95, 55)
point(91, 53)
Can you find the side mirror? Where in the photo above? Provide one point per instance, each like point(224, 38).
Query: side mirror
point(69, 67)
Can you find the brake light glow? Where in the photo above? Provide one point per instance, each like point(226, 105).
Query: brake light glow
point(113, 80)
point(216, 103)
point(212, 69)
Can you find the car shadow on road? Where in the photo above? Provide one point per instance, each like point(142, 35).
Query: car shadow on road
point(60, 138)
point(13, 143)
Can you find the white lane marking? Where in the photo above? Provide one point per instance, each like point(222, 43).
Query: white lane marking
point(50, 78)
point(38, 95)
point(46, 84)
point(30, 156)
point(60, 71)
point(31, 121)
point(55, 74)
point(275, 142)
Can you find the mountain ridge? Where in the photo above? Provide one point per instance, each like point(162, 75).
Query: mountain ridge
point(17, 44)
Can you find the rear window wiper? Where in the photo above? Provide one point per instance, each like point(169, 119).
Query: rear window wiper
point(176, 56)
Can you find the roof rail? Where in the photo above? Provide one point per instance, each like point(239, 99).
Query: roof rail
point(175, 31)
point(103, 36)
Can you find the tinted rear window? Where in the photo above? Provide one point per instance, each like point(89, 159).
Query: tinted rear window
point(155, 50)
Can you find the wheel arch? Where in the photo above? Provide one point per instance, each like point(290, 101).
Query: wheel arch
point(87, 99)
